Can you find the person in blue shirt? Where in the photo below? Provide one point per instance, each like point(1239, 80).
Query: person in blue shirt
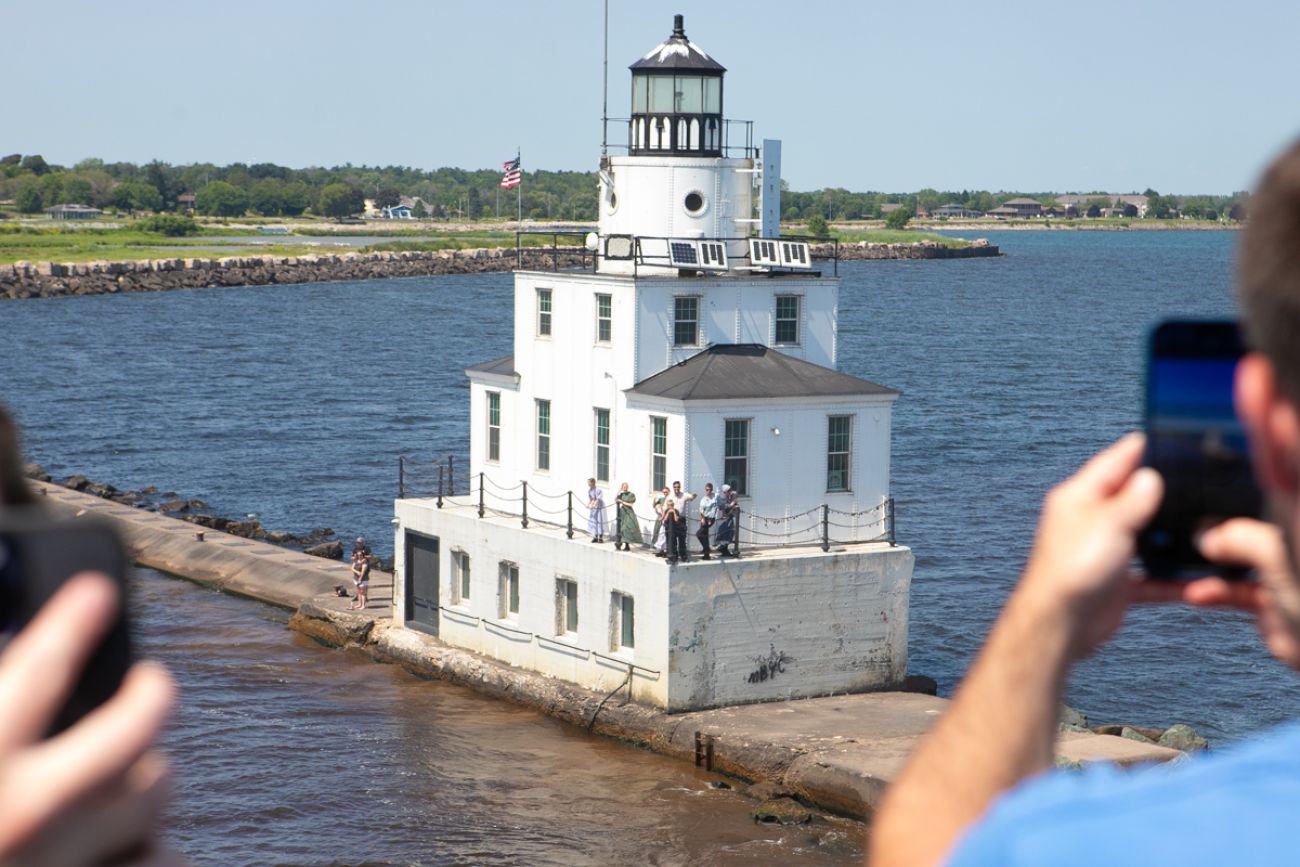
point(979, 791)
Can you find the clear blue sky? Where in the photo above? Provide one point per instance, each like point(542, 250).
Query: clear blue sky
point(1120, 95)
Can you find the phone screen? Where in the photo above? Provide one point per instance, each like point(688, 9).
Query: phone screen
point(1196, 442)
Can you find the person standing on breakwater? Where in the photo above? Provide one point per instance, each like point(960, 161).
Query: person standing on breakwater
point(674, 529)
point(977, 790)
point(708, 516)
point(629, 527)
point(727, 532)
point(360, 572)
point(657, 538)
point(596, 515)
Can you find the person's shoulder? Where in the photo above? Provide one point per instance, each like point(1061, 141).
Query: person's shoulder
point(1235, 806)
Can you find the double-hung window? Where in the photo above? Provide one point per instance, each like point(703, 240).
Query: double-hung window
point(494, 425)
point(604, 318)
point(786, 331)
point(543, 434)
point(839, 448)
point(460, 577)
point(658, 452)
point(686, 320)
point(543, 312)
point(602, 444)
point(735, 455)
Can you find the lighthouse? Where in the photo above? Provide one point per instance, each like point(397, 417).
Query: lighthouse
point(699, 348)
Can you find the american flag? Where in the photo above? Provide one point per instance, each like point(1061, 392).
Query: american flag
point(513, 174)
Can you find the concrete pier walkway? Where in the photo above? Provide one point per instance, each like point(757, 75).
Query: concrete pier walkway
point(838, 753)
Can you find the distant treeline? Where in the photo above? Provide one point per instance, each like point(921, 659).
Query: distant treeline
point(266, 189)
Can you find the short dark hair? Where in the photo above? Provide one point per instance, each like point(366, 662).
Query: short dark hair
point(1269, 269)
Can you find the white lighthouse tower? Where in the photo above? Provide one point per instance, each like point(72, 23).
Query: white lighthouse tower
point(700, 348)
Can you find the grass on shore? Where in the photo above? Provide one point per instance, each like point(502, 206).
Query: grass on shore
point(895, 236)
point(37, 244)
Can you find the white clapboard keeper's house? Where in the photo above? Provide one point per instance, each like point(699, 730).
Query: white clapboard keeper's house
point(698, 345)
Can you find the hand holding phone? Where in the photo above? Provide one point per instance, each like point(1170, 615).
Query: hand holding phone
point(1197, 443)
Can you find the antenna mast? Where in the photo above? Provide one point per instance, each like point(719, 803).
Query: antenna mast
point(604, 100)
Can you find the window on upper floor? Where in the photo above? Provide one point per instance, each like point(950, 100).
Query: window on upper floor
point(604, 318)
point(686, 320)
point(494, 425)
point(839, 448)
point(543, 312)
point(735, 455)
point(602, 444)
point(658, 452)
point(786, 331)
point(543, 434)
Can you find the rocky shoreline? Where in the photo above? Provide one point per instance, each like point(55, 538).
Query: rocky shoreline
point(54, 280)
point(317, 542)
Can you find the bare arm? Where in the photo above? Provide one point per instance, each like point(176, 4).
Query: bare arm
point(1002, 725)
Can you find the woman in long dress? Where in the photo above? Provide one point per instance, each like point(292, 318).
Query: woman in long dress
point(629, 528)
point(596, 517)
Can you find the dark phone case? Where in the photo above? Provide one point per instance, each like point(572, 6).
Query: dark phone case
point(39, 555)
point(1204, 484)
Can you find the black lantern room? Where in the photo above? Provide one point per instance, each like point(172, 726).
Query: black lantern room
point(676, 100)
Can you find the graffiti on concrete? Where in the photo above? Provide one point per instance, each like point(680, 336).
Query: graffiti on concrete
point(769, 666)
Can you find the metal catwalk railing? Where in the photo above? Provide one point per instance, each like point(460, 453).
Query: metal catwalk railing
point(822, 525)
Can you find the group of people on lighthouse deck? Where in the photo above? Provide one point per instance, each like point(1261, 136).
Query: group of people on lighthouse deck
point(718, 515)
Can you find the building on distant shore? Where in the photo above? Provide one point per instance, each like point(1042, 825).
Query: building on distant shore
point(954, 211)
point(1107, 201)
point(73, 212)
point(185, 203)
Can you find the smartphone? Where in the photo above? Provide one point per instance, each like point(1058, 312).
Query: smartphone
point(1197, 443)
point(38, 554)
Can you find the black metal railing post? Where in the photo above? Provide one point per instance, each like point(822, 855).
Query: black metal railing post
point(524, 522)
point(480, 495)
point(889, 520)
point(451, 475)
point(439, 486)
point(736, 541)
point(826, 527)
point(569, 531)
point(401, 477)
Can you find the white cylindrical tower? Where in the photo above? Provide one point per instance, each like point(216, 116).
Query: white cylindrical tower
point(676, 181)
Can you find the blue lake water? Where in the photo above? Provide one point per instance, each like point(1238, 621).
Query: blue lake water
point(295, 401)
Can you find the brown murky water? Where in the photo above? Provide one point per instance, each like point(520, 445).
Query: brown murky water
point(291, 753)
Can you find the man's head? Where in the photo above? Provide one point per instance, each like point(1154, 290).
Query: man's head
point(708, 488)
point(677, 487)
point(591, 483)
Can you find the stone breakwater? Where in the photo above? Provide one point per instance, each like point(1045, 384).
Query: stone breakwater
point(54, 279)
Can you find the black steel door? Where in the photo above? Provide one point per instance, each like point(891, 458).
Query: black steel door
point(422, 582)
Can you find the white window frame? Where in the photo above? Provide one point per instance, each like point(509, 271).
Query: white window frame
point(606, 448)
point(545, 312)
point(620, 606)
point(542, 441)
point(777, 320)
point(493, 430)
point(698, 330)
point(461, 577)
point(658, 478)
point(847, 487)
point(507, 590)
point(606, 322)
point(742, 487)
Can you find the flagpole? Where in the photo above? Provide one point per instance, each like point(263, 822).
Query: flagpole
point(519, 190)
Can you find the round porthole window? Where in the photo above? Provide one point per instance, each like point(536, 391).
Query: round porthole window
point(694, 202)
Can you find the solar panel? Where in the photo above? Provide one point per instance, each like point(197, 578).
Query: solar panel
point(713, 254)
point(794, 254)
point(763, 251)
point(683, 254)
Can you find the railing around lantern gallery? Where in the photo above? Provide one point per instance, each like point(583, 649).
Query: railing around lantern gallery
point(703, 255)
point(824, 525)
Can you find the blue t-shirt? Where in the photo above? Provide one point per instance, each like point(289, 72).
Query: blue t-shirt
point(1241, 806)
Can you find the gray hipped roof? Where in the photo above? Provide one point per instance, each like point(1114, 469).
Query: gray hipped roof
point(500, 366)
point(744, 371)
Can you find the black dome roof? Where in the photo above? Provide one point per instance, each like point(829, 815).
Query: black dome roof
point(677, 54)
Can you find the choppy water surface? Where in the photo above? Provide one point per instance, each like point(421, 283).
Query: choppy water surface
point(294, 402)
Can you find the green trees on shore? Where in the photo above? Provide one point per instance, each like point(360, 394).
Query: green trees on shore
point(270, 190)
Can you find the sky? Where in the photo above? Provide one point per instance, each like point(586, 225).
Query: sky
point(1035, 96)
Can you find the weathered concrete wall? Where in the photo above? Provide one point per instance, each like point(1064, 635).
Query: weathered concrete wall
point(777, 624)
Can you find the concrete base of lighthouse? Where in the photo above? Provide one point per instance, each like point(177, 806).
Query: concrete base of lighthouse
point(775, 624)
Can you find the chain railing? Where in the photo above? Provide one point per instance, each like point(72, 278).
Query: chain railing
point(823, 525)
